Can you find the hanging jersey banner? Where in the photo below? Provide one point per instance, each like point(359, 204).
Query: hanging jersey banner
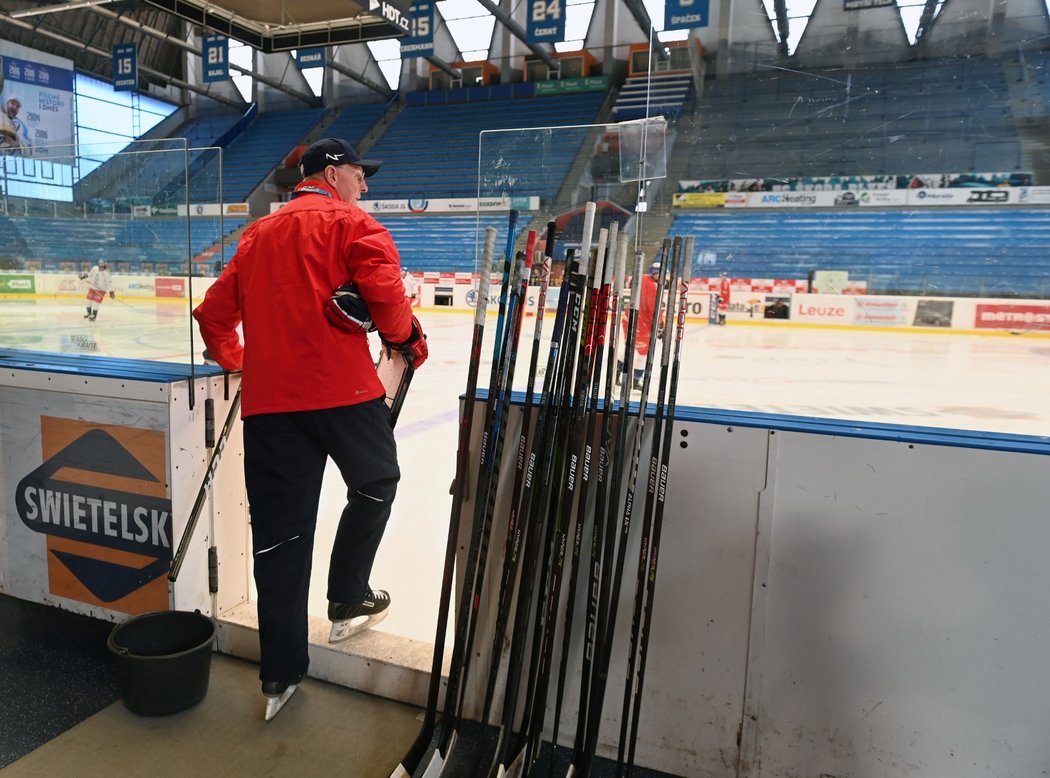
point(215, 56)
point(420, 41)
point(310, 58)
point(125, 67)
point(546, 22)
point(685, 14)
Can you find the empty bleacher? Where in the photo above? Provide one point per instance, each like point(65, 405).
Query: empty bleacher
point(250, 158)
point(447, 243)
point(984, 253)
point(142, 169)
point(949, 116)
point(432, 150)
point(355, 121)
point(658, 94)
point(131, 245)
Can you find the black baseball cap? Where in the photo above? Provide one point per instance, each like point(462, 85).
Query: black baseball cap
point(334, 151)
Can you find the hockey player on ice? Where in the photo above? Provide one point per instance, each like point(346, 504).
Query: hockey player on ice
point(309, 391)
point(100, 283)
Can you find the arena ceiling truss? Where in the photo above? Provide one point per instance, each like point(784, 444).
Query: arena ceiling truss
point(86, 30)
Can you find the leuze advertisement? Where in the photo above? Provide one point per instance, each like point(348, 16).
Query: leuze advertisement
point(92, 519)
point(37, 103)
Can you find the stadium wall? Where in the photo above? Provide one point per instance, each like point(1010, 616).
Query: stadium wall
point(758, 301)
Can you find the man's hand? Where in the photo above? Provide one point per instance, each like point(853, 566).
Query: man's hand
point(414, 347)
point(347, 310)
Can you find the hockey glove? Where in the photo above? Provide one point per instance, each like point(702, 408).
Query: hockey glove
point(414, 347)
point(347, 310)
point(112, 295)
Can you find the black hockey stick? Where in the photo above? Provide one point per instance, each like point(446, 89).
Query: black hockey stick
point(602, 487)
point(488, 475)
point(652, 482)
point(661, 496)
point(608, 627)
point(515, 534)
point(533, 506)
point(202, 493)
point(606, 243)
point(567, 492)
point(541, 511)
point(414, 756)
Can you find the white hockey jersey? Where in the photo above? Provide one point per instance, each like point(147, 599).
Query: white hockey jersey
point(100, 279)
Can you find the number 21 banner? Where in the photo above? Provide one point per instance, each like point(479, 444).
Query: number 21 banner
point(546, 23)
point(215, 55)
point(684, 14)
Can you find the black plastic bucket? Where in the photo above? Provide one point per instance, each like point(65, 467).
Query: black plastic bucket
point(162, 661)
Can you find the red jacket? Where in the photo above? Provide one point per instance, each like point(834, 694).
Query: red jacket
point(286, 267)
point(646, 304)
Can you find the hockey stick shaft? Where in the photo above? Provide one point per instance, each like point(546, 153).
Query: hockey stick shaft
point(416, 752)
point(665, 460)
point(202, 493)
point(650, 495)
point(606, 243)
point(608, 628)
point(512, 547)
point(532, 505)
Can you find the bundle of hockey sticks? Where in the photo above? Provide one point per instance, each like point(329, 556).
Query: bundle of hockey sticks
point(575, 475)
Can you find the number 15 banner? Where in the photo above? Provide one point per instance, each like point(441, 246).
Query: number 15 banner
point(684, 14)
point(420, 41)
point(546, 23)
point(125, 67)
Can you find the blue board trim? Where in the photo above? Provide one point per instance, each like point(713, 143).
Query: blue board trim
point(103, 367)
point(900, 433)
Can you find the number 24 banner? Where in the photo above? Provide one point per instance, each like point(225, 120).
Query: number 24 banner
point(546, 23)
point(684, 14)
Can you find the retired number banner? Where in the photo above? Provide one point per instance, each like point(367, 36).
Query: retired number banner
point(420, 40)
point(685, 14)
point(215, 54)
point(546, 22)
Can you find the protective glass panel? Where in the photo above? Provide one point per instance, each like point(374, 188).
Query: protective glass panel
point(852, 259)
point(105, 253)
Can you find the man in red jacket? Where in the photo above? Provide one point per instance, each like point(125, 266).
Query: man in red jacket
point(309, 390)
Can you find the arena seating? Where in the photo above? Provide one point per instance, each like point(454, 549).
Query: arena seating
point(444, 243)
point(661, 94)
point(140, 170)
point(250, 157)
point(432, 150)
point(986, 253)
point(355, 121)
point(128, 245)
point(954, 116)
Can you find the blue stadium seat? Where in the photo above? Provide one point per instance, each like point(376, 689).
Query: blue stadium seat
point(986, 253)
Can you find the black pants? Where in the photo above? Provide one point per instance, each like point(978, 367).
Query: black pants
point(284, 462)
